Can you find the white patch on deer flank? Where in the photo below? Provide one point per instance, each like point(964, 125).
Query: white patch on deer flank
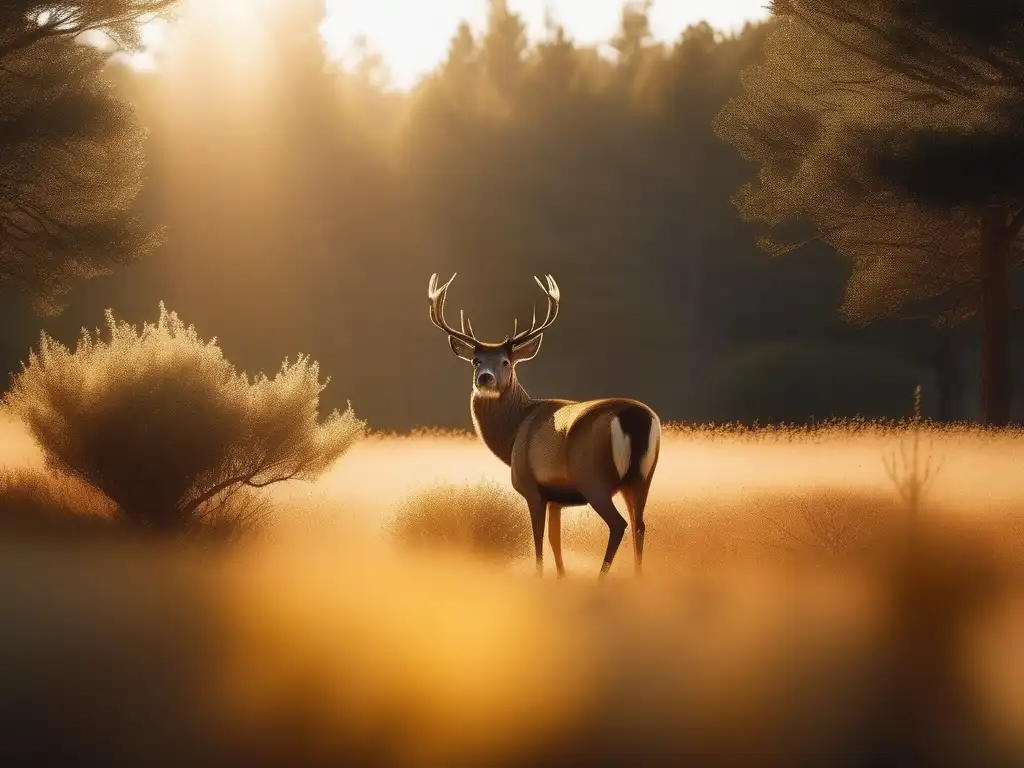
point(620, 448)
point(653, 442)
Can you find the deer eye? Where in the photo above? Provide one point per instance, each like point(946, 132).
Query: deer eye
point(476, 361)
point(505, 363)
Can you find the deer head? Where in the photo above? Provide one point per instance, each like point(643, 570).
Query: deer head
point(493, 364)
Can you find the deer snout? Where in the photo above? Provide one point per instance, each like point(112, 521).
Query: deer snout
point(485, 379)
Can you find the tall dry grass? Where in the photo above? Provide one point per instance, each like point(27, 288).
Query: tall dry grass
point(778, 622)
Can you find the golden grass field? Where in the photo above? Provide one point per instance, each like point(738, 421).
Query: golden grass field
point(778, 620)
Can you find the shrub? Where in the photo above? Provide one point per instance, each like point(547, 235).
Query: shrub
point(163, 425)
point(34, 502)
point(232, 516)
point(833, 521)
point(484, 518)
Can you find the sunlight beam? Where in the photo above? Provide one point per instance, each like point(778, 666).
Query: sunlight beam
point(154, 33)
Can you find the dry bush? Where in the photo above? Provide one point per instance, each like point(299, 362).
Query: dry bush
point(36, 502)
point(838, 525)
point(162, 424)
point(484, 518)
point(832, 521)
point(230, 517)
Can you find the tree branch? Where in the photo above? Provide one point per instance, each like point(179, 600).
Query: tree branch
point(73, 23)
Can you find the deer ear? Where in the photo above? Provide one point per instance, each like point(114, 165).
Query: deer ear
point(461, 349)
point(527, 350)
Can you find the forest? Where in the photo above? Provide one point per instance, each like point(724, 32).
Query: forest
point(295, 205)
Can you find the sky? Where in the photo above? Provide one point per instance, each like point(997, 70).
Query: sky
point(413, 35)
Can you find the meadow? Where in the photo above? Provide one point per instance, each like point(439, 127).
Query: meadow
point(780, 619)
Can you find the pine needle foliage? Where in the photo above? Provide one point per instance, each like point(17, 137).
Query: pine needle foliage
point(71, 150)
point(890, 131)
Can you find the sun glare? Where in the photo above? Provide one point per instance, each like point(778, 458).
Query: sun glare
point(413, 37)
point(154, 38)
point(238, 21)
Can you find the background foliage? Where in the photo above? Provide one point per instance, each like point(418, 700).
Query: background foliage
point(306, 206)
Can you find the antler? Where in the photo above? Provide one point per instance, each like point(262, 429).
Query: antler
point(437, 296)
point(553, 297)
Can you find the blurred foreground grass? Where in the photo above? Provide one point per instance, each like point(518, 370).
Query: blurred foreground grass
point(304, 655)
point(777, 624)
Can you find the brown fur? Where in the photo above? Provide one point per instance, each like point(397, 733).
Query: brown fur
point(560, 454)
point(560, 451)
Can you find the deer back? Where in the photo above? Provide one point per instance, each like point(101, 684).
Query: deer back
point(561, 440)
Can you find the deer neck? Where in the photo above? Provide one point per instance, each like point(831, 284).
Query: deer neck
point(497, 419)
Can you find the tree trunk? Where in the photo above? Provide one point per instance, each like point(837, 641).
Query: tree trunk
point(995, 317)
point(947, 376)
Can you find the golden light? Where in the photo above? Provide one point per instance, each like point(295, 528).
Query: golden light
point(236, 26)
point(413, 37)
point(154, 37)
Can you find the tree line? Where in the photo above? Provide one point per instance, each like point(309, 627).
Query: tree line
point(289, 203)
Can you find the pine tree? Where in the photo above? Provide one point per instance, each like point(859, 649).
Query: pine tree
point(504, 49)
point(70, 149)
point(893, 129)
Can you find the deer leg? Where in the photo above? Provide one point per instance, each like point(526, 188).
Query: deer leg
point(636, 499)
point(601, 500)
point(537, 516)
point(555, 535)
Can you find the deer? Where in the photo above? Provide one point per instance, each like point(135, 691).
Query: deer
point(561, 453)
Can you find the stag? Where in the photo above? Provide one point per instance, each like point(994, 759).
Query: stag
point(562, 453)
